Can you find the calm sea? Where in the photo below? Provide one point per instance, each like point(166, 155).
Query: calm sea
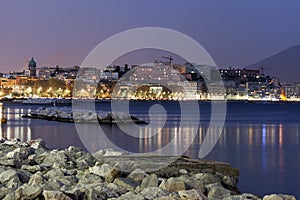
point(261, 139)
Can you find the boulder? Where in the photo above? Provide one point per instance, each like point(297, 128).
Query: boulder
point(107, 152)
point(54, 173)
point(4, 191)
point(38, 143)
point(234, 197)
point(29, 192)
point(55, 157)
point(86, 178)
point(102, 170)
point(229, 182)
point(112, 187)
point(183, 171)
point(137, 175)
point(53, 195)
point(31, 168)
point(218, 192)
point(8, 175)
point(192, 183)
point(174, 184)
point(191, 195)
point(14, 183)
point(11, 162)
point(250, 196)
point(129, 196)
point(150, 181)
point(152, 193)
point(278, 197)
point(113, 173)
point(36, 179)
point(52, 184)
point(206, 178)
point(126, 183)
point(24, 175)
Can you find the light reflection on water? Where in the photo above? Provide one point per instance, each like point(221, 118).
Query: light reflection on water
point(267, 152)
point(15, 127)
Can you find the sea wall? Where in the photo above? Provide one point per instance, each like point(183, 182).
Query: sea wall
point(30, 171)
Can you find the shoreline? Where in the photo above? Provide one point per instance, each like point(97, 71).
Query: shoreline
point(30, 171)
point(69, 101)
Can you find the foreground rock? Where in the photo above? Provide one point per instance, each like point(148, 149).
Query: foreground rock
point(29, 171)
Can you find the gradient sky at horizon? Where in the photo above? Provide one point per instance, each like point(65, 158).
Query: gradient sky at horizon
point(235, 33)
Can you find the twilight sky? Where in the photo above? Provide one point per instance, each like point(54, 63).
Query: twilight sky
point(235, 33)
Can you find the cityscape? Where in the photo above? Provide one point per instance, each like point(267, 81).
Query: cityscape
point(144, 100)
point(163, 80)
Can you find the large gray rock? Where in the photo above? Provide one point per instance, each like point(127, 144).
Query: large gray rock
point(13, 142)
point(192, 183)
point(24, 175)
point(174, 184)
point(14, 183)
point(68, 181)
point(102, 170)
point(96, 193)
point(38, 143)
point(4, 191)
point(36, 179)
point(20, 153)
point(137, 175)
point(129, 196)
point(84, 159)
point(29, 192)
point(108, 152)
point(126, 183)
point(113, 173)
point(154, 193)
point(206, 178)
point(150, 181)
point(54, 173)
point(55, 156)
point(229, 182)
point(54, 195)
point(8, 175)
point(217, 192)
point(250, 196)
point(234, 197)
point(191, 195)
point(74, 193)
point(279, 197)
point(31, 168)
point(11, 162)
point(112, 187)
point(168, 198)
point(52, 184)
point(87, 178)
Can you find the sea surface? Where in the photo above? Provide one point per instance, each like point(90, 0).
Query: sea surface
point(261, 139)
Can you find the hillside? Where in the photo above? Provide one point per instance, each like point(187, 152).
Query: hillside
point(285, 65)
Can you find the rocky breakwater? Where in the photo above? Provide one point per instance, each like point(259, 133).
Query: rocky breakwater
point(30, 171)
point(67, 114)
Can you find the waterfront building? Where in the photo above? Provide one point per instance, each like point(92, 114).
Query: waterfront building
point(243, 74)
point(89, 74)
point(32, 68)
point(109, 75)
point(291, 90)
point(44, 73)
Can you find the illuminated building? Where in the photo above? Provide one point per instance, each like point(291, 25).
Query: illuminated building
point(32, 68)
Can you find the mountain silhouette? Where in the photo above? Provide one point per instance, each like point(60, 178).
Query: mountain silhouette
point(284, 65)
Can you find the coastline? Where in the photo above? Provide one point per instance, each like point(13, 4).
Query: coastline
point(68, 101)
point(30, 171)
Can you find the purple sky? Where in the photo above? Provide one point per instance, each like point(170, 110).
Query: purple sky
point(235, 33)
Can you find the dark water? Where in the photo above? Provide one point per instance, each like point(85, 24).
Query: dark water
point(262, 140)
